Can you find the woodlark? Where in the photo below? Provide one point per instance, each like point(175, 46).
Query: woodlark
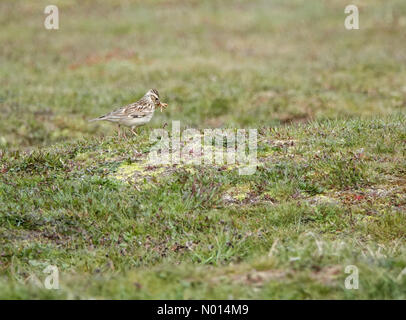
point(137, 113)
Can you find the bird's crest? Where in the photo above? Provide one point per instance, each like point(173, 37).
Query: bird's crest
point(155, 91)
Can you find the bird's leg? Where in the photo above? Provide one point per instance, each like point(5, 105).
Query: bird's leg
point(136, 153)
point(119, 131)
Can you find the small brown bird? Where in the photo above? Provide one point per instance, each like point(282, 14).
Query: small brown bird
point(137, 113)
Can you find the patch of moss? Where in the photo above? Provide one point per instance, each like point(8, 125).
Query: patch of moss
point(239, 192)
point(135, 171)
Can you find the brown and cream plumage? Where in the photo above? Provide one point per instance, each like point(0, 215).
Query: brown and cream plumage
point(137, 113)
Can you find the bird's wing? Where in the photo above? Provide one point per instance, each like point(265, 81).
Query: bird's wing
point(133, 110)
point(137, 113)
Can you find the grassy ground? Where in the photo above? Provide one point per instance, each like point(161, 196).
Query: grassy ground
point(329, 190)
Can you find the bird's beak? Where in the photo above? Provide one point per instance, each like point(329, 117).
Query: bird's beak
point(163, 106)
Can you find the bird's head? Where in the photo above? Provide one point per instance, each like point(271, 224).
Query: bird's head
point(154, 96)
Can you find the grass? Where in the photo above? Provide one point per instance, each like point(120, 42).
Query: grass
point(329, 189)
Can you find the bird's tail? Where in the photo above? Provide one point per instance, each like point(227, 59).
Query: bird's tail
point(97, 119)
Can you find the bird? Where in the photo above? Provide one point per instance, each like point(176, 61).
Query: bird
point(135, 114)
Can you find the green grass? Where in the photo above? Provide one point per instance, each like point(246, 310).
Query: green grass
point(329, 190)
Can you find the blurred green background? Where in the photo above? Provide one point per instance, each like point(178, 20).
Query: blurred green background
point(217, 63)
point(329, 189)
